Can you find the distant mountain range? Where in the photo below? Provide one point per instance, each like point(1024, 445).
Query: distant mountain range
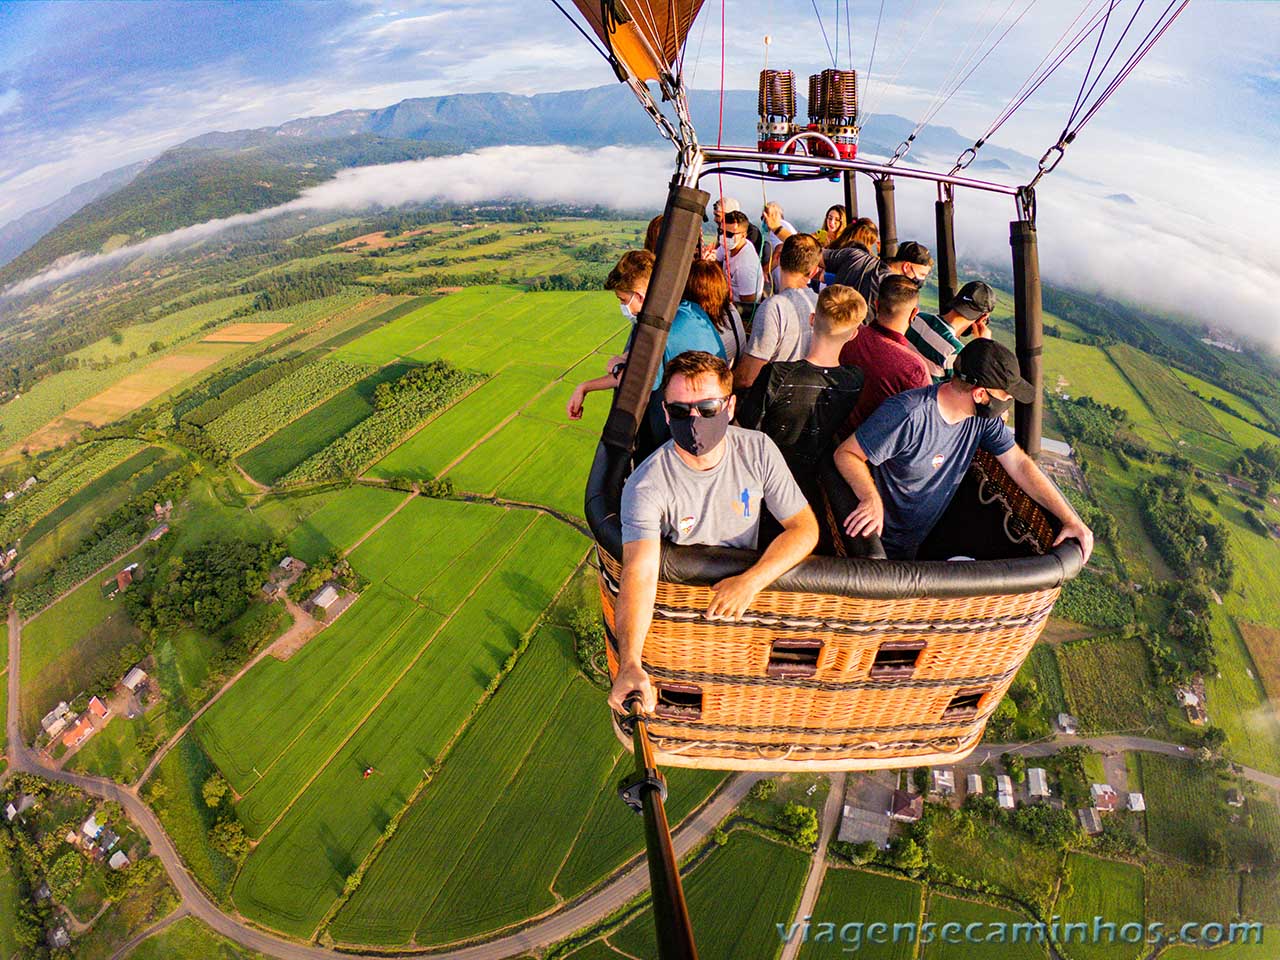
point(222, 173)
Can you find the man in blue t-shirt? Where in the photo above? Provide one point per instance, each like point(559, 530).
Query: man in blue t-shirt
point(922, 442)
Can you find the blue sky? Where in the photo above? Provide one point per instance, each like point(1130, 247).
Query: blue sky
point(85, 87)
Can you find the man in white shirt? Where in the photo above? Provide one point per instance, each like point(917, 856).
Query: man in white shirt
point(746, 278)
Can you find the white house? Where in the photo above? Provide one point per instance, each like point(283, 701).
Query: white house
point(56, 720)
point(1037, 783)
point(325, 597)
point(1137, 802)
point(134, 678)
point(91, 828)
point(944, 781)
point(1104, 796)
point(1067, 724)
point(1004, 792)
point(973, 784)
point(1055, 447)
point(118, 860)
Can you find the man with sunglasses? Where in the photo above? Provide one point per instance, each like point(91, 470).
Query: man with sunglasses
point(708, 485)
point(744, 272)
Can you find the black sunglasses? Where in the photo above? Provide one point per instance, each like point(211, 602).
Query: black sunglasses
point(705, 408)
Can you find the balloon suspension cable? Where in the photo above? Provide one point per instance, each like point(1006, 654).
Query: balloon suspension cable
point(645, 791)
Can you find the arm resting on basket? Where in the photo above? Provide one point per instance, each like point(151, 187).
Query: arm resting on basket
point(1028, 475)
point(731, 596)
point(867, 519)
point(637, 590)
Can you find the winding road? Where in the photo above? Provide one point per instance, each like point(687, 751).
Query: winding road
point(567, 919)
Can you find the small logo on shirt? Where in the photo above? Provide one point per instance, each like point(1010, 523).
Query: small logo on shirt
point(686, 524)
point(938, 460)
point(747, 503)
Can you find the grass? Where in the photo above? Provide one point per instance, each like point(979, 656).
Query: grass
point(122, 748)
point(338, 524)
point(1108, 684)
point(736, 898)
point(406, 334)
point(188, 938)
point(555, 476)
point(67, 643)
point(1177, 893)
point(138, 909)
point(9, 895)
point(138, 337)
point(302, 863)
point(942, 910)
point(1116, 489)
point(1107, 889)
point(1184, 804)
point(996, 855)
point(861, 897)
point(317, 428)
point(1263, 644)
point(1168, 396)
point(181, 774)
point(1081, 370)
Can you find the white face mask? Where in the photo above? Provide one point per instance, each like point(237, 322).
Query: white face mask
point(625, 307)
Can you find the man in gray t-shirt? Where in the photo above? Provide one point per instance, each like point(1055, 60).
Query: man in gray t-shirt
point(780, 330)
point(706, 485)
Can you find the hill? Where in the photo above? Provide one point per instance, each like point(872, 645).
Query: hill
point(223, 173)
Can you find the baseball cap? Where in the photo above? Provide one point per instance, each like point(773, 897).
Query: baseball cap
point(986, 363)
point(973, 300)
point(912, 252)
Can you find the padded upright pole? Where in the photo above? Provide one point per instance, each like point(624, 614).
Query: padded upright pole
point(888, 214)
point(948, 282)
point(681, 229)
point(1028, 322)
point(850, 195)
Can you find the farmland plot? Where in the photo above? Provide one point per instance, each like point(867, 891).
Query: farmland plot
point(858, 896)
point(342, 521)
point(943, 910)
point(1106, 889)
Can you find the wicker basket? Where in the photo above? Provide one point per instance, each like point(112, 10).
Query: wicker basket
point(848, 664)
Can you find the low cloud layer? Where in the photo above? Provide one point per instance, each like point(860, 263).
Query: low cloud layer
point(1171, 250)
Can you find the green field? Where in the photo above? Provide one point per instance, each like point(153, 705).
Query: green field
point(403, 336)
point(943, 910)
point(118, 750)
point(1177, 893)
point(997, 855)
point(65, 644)
point(137, 338)
point(343, 520)
point(735, 898)
point(301, 864)
point(1108, 684)
point(1175, 406)
point(860, 897)
point(317, 428)
point(1107, 889)
point(1184, 802)
point(187, 939)
point(1080, 370)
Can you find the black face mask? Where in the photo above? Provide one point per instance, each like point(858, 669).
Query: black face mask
point(992, 408)
point(698, 435)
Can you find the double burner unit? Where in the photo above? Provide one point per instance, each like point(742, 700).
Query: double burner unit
point(832, 130)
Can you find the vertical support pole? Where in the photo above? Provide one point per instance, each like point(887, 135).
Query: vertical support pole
point(948, 281)
point(644, 791)
point(681, 229)
point(850, 195)
point(888, 214)
point(1028, 322)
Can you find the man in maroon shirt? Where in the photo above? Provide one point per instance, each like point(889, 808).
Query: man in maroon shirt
point(889, 364)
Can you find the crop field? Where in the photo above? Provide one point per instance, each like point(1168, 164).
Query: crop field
point(342, 521)
point(1108, 889)
point(1260, 898)
point(556, 475)
point(1108, 684)
point(253, 420)
point(1081, 370)
point(65, 644)
point(1116, 490)
point(423, 541)
point(186, 819)
point(453, 433)
point(301, 864)
point(1165, 394)
point(138, 337)
point(736, 898)
point(463, 804)
point(55, 490)
point(130, 393)
point(1184, 802)
point(1177, 893)
point(244, 332)
point(404, 335)
point(943, 910)
point(317, 428)
point(1264, 649)
point(288, 697)
point(857, 896)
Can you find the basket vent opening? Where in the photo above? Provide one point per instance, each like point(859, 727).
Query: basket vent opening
point(896, 658)
point(964, 704)
point(679, 701)
point(794, 658)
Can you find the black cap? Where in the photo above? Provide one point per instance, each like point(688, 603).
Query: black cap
point(986, 363)
point(974, 300)
point(912, 252)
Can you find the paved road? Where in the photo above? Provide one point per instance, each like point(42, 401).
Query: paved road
point(992, 751)
point(831, 812)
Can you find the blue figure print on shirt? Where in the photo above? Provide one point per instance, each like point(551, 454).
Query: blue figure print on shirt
point(746, 502)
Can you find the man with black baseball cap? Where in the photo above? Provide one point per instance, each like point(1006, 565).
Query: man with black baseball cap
point(864, 271)
point(922, 442)
point(937, 338)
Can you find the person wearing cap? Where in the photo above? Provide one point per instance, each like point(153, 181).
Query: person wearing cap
point(864, 271)
point(727, 205)
point(922, 442)
point(937, 338)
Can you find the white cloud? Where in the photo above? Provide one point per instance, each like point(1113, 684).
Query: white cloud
point(1181, 255)
point(9, 100)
